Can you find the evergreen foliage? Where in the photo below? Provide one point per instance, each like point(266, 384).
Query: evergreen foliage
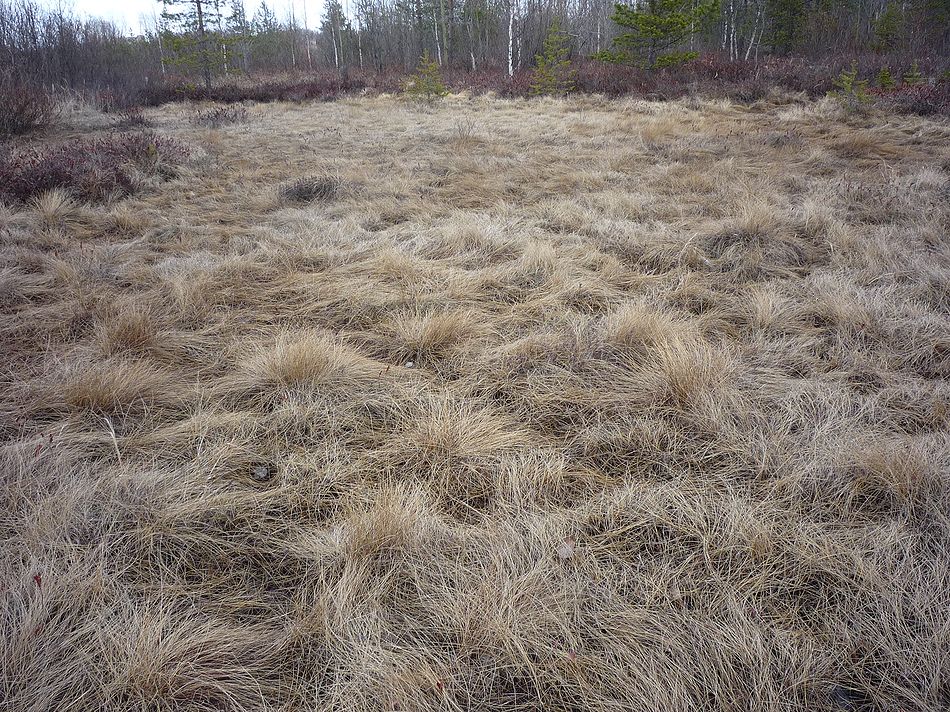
point(786, 24)
point(913, 76)
point(189, 38)
point(885, 80)
point(656, 31)
point(889, 27)
point(553, 75)
point(426, 84)
point(851, 91)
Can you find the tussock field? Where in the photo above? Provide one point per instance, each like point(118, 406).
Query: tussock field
point(501, 405)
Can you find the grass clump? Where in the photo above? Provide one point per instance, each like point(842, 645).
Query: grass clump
point(311, 189)
point(636, 405)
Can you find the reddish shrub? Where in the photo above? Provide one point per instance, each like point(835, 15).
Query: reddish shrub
point(321, 86)
point(712, 75)
point(220, 116)
point(920, 99)
point(130, 118)
point(90, 169)
point(23, 106)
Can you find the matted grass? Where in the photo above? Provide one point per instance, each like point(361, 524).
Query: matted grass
point(558, 405)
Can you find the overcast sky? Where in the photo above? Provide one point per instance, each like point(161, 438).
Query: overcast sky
point(129, 13)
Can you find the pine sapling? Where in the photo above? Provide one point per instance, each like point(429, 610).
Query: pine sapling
point(849, 90)
point(426, 84)
point(912, 76)
point(553, 75)
point(885, 80)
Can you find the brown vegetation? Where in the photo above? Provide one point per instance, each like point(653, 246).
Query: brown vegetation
point(586, 405)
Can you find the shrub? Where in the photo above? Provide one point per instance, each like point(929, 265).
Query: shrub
point(24, 107)
point(553, 75)
point(849, 90)
point(220, 116)
point(712, 75)
point(426, 84)
point(131, 118)
point(89, 169)
point(324, 86)
point(919, 99)
point(310, 189)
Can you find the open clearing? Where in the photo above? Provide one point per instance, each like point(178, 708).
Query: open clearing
point(550, 405)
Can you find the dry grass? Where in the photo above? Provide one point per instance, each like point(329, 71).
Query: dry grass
point(560, 405)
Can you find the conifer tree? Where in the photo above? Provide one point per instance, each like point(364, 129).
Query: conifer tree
point(265, 35)
point(786, 24)
point(913, 75)
point(426, 84)
point(656, 29)
point(884, 79)
point(849, 90)
point(552, 73)
point(239, 32)
point(187, 29)
point(889, 27)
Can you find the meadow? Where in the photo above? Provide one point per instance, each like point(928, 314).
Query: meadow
point(500, 404)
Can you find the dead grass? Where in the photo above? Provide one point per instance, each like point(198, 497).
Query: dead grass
point(571, 405)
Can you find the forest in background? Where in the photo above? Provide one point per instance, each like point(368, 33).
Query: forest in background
point(478, 44)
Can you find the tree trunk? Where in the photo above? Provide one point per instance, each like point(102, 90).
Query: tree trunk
point(511, 38)
point(203, 46)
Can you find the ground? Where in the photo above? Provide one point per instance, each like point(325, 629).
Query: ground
point(511, 405)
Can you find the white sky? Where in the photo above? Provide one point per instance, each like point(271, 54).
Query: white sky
point(129, 13)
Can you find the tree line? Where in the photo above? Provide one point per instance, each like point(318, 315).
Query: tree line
point(212, 38)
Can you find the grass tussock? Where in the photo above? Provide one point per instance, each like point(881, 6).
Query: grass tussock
point(583, 404)
point(310, 189)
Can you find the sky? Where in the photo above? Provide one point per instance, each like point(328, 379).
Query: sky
point(129, 13)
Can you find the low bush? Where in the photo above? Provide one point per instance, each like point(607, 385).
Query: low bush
point(712, 75)
point(919, 99)
point(319, 86)
point(92, 170)
point(131, 118)
point(220, 116)
point(24, 107)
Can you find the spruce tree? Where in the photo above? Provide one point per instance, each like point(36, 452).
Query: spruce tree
point(239, 31)
point(913, 75)
point(884, 79)
point(786, 24)
point(552, 73)
point(656, 30)
point(889, 27)
point(849, 90)
point(426, 84)
point(265, 35)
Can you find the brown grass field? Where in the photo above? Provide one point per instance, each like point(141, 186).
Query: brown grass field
point(511, 405)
